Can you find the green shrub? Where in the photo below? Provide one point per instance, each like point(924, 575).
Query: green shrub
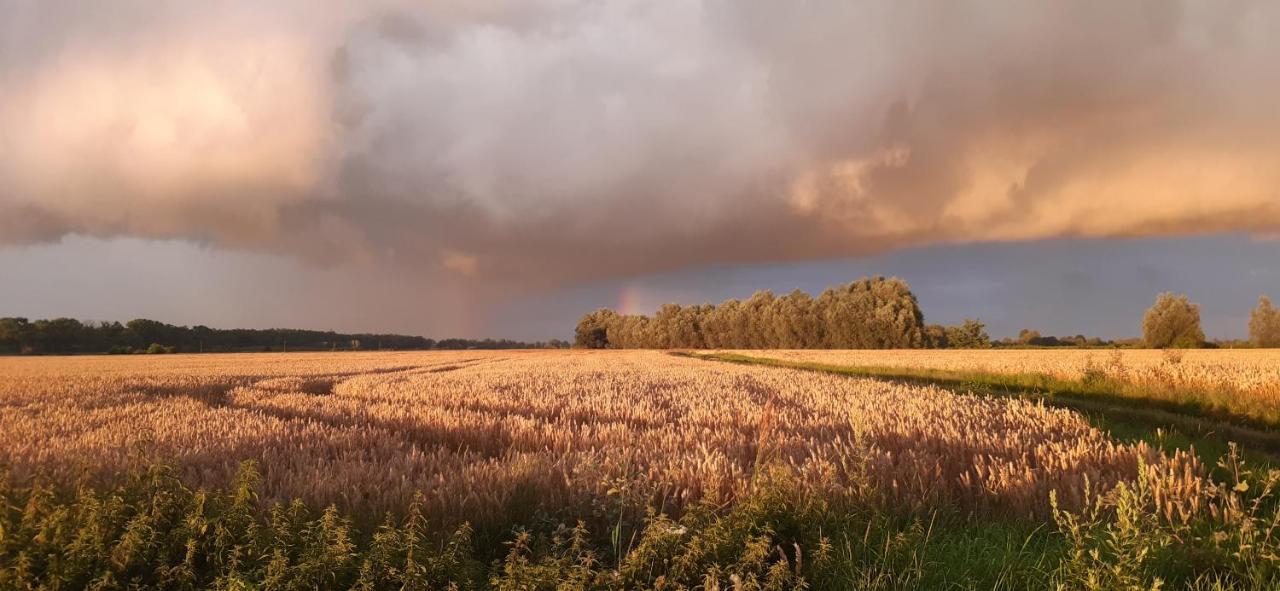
point(151, 531)
point(1167, 528)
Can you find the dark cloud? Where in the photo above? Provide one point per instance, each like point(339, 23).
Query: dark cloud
point(541, 143)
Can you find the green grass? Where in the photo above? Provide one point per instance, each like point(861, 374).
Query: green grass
point(1117, 407)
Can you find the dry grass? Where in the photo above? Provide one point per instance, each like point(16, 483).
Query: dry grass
point(489, 435)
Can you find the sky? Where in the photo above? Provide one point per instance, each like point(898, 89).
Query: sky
point(499, 167)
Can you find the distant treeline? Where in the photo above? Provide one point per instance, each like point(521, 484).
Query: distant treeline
point(877, 313)
point(67, 335)
point(1033, 338)
point(872, 313)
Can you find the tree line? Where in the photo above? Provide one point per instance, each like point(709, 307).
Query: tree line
point(870, 313)
point(873, 313)
point(68, 335)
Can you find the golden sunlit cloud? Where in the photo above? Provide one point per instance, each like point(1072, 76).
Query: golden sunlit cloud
point(567, 140)
point(149, 142)
point(459, 262)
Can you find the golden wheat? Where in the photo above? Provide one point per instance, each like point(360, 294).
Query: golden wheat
point(1244, 381)
point(483, 434)
point(1251, 370)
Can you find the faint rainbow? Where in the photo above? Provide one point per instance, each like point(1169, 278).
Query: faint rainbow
point(629, 299)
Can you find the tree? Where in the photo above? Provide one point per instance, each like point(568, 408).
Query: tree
point(593, 330)
point(67, 335)
point(935, 336)
point(970, 335)
point(1172, 322)
point(758, 328)
point(14, 334)
point(59, 335)
point(724, 326)
point(143, 331)
point(794, 325)
point(688, 327)
point(1027, 336)
point(871, 313)
point(1264, 324)
point(666, 327)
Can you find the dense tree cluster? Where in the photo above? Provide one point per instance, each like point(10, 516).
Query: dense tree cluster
point(871, 313)
point(66, 335)
point(970, 335)
point(1033, 338)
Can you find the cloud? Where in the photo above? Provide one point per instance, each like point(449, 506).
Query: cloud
point(562, 140)
point(459, 262)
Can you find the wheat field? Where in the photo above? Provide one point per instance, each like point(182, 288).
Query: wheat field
point(484, 435)
point(1241, 382)
point(1255, 372)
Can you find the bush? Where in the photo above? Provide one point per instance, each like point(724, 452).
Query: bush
point(1170, 529)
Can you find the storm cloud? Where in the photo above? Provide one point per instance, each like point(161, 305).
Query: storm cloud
point(556, 141)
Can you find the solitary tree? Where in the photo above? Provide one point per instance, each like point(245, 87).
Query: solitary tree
point(1264, 324)
point(1172, 322)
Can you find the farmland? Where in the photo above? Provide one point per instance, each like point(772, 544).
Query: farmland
point(496, 442)
point(1250, 372)
point(1240, 385)
point(470, 429)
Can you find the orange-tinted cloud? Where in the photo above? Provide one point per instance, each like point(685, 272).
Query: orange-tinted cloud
point(535, 142)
